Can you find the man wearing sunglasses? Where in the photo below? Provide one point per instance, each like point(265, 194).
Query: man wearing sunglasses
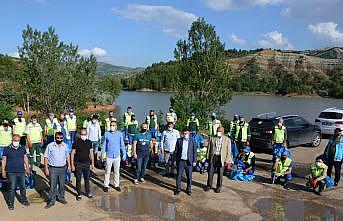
point(57, 163)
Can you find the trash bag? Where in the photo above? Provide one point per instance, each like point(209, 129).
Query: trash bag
point(238, 175)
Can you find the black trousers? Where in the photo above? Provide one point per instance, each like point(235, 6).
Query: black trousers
point(184, 165)
point(79, 169)
point(337, 165)
point(215, 167)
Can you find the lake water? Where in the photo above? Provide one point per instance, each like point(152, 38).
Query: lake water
point(249, 106)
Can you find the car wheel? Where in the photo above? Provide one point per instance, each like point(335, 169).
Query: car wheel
point(316, 140)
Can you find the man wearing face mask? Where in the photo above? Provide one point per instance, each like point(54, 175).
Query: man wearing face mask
point(19, 127)
point(127, 115)
point(318, 178)
point(242, 137)
point(109, 120)
point(141, 151)
point(219, 156)
point(213, 125)
point(333, 154)
point(94, 134)
point(168, 142)
point(72, 124)
point(151, 120)
point(283, 169)
point(5, 136)
point(193, 124)
point(279, 139)
point(49, 128)
point(132, 128)
point(82, 160)
point(35, 140)
point(185, 158)
point(112, 145)
point(171, 117)
point(246, 161)
point(13, 161)
point(57, 164)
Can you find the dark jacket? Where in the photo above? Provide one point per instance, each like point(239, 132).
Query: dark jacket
point(192, 150)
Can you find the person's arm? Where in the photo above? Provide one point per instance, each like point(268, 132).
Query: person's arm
point(175, 118)
point(134, 149)
point(209, 149)
point(176, 152)
point(103, 147)
point(99, 132)
point(195, 153)
point(29, 144)
point(27, 165)
point(323, 175)
point(275, 164)
point(91, 156)
point(3, 163)
point(88, 130)
point(327, 150)
point(248, 133)
point(228, 154)
point(72, 159)
point(68, 162)
point(285, 138)
point(45, 131)
point(42, 135)
point(122, 147)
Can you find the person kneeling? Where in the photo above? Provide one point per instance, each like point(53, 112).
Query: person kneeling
point(246, 161)
point(282, 169)
point(318, 179)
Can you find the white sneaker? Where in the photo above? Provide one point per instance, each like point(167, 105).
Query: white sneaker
point(135, 182)
point(142, 180)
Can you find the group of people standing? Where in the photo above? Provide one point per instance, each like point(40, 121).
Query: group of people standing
point(142, 143)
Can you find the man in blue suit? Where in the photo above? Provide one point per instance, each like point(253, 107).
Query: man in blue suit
point(185, 157)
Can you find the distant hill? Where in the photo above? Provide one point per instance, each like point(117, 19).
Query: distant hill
point(109, 69)
point(327, 53)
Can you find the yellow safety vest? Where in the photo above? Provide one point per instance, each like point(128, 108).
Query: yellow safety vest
point(5, 136)
point(213, 126)
point(244, 129)
point(279, 134)
point(317, 171)
point(19, 126)
point(247, 159)
point(35, 132)
point(59, 129)
point(129, 150)
point(127, 117)
point(154, 124)
point(71, 123)
point(171, 117)
point(283, 167)
point(108, 123)
point(50, 126)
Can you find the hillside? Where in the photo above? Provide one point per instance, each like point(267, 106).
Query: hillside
point(109, 69)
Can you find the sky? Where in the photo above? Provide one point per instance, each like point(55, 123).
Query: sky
point(137, 33)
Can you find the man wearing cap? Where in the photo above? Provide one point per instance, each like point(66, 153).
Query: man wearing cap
point(279, 139)
point(49, 128)
point(151, 120)
point(333, 154)
point(109, 119)
point(19, 127)
point(171, 116)
point(34, 135)
point(5, 136)
point(185, 158)
point(127, 115)
point(283, 169)
point(242, 136)
point(168, 142)
point(193, 124)
point(213, 125)
point(246, 161)
point(232, 134)
point(72, 124)
point(131, 128)
point(218, 155)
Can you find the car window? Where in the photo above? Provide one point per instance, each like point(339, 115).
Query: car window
point(289, 122)
point(299, 121)
point(331, 115)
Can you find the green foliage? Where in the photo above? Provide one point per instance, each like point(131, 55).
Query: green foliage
point(203, 79)
point(107, 89)
point(6, 111)
point(54, 75)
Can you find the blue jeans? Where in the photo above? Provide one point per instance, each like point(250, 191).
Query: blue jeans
point(182, 166)
point(95, 145)
point(242, 165)
point(57, 176)
point(1, 152)
point(234, 151)
point(142, 162)
point(278, 149)
point(288, 177)
point(72, 136)
point(16, 179)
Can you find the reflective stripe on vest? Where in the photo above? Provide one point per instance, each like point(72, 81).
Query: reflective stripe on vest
point(283, 167)
point(132, 127)
point(279, 134)
point(108, 123)
point(247, 159)
point(193, 125)
point(152, 123)
point(244, 129)
point(127, 117)
point(317, 171)
point(50, 126)
point(19, 126)
point(213, 126)
point(5, 136)
point(35, 132)
point(71, 123)
point(129, 150)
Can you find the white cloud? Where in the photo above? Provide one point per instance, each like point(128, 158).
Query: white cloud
point(222, 5)
point(97, 52)
point(15, 55)
point(327, 30)
point(275, 40)
point(236, 40)
point(172, 21)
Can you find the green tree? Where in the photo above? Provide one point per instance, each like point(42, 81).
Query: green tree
point(203, 79)
point(108, 87)
point(54, 75)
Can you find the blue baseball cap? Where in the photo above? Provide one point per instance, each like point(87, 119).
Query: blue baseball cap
point(241, 116)
point(19, 113)
point(71, 110)
point(213, 114)
point(247, 149)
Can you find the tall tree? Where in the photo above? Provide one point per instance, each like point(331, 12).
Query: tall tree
point(54, 75)
point(203, 79)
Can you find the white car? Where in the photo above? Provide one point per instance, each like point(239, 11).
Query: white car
point(330, 119)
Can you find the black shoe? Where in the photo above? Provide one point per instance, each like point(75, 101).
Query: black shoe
point(26, 203)
point(217, 190)
point(189, 193)
point(10, 207)
point(89, 195)
point(105, 189)
point(335, 184)
point(177, 192)
point(63, 201)
point(207, 188)
point(78, 197)
point(49, 205)
point(286, 187)
point(118, 188)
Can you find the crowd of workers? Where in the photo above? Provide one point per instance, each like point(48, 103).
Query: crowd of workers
point(140, 145)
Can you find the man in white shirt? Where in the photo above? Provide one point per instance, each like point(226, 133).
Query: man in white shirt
point(168, 142)
point(94, 134)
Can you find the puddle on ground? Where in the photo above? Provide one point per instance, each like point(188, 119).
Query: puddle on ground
point(140, 201)
point(296, 210)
